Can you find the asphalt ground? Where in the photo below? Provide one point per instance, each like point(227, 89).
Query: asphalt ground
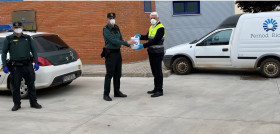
point(204, 102)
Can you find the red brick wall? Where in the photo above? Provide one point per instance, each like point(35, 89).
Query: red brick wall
point(80, 24)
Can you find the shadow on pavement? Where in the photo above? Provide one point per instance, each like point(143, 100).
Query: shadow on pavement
point(47, 92)
point(5, 93)
point(55, 91)
point(227, 72)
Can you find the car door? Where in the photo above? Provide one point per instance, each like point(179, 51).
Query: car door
point(2, 74)
point(214, 50)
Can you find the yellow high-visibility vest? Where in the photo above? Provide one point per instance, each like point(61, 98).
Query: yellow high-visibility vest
point(153, 31)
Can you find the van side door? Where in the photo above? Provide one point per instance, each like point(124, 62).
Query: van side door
point(214, 50)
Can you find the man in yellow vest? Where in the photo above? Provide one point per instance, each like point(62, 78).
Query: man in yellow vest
point(155, 38)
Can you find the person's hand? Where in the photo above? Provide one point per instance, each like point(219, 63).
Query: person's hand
point(131, 42)
point(137, 36)
point(36, 66)
point(140, 46)
point(6, 69)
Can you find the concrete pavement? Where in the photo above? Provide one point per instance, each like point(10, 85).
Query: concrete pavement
point(134, 69)
point(199, 103)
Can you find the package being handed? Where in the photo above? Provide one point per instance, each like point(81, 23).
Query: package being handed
point(137, 42)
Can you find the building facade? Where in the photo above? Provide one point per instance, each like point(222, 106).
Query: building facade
point(186, 21)
point(80, 23)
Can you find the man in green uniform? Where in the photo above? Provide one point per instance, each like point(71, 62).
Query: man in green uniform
point(113, 60)
point(19, 46)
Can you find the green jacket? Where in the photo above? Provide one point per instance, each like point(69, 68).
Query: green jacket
point(19, 48)
point(113, 37)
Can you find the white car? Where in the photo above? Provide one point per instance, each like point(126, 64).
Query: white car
point(59, 64)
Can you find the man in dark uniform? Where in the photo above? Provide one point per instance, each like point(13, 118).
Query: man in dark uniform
point(113, 60)
point(155, 38)
point(19, 46)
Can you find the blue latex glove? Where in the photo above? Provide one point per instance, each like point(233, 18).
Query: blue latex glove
point(137, 36)
point(140, 46)
point(6, 69)
point(36, 66)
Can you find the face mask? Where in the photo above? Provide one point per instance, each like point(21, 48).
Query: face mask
point(18, 30)
point(112, 21)
point(153, 21)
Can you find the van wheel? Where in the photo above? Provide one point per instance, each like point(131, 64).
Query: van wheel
point(270, 68)
point(23, 89)
point(182, 66)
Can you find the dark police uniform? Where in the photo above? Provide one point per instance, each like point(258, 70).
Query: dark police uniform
point(155, 38)
point(21, 64)
point(113, 59)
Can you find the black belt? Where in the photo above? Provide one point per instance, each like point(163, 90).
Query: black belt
point(114, 50)
point(20, 63)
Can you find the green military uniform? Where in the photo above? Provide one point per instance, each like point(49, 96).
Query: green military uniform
point(113, 41)
point(113, 37)
point(20, 64)
point(19, 48)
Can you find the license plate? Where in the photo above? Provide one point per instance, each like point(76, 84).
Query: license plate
point(68, 77)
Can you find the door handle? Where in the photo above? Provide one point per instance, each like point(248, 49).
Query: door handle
point(225, 49)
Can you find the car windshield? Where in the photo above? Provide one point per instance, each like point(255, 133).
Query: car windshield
point(48, 43)
point(195, 41)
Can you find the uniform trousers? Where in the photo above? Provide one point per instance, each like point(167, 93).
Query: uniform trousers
point(156, 67)
point(113, 64)
point(27, 73)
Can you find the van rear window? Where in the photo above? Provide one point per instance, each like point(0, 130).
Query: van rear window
point(49, 43)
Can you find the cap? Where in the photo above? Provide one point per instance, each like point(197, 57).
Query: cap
point(109, 15)
point(17, 24)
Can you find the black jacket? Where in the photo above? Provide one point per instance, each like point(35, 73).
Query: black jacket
point(156, 41)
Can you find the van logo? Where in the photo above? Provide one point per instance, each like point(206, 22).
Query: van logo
point(270, 24)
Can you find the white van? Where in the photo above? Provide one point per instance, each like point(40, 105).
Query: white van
point(246, 41)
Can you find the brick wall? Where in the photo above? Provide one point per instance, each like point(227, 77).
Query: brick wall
point(80, 23)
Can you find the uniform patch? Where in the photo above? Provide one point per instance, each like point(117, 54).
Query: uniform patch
point(15, 40)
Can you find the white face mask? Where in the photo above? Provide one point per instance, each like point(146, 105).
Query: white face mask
point(112, 21)
point(153, 21)
point(18, 30)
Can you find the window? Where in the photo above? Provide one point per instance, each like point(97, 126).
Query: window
point(186, 7)
point(219, 38)
point(49, 43)
point(147, 6)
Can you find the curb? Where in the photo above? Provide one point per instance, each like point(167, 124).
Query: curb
point(165, 73)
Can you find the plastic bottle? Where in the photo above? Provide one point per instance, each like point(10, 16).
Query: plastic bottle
point(137, 42)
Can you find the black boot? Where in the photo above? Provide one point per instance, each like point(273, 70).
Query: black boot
point(107, 98)
point(16, 107)
point(35, 105)
point(157, 94)
point(119, 94)
point(151, 92)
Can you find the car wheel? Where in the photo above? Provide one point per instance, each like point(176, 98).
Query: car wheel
point(270, 68)
point(67, 83)
point(182, 66)
point(23, 89)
